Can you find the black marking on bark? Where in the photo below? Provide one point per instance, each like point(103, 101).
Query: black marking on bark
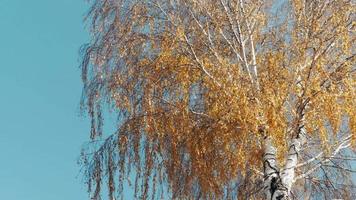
point(270, 159)
point(268, 154)
point(292, 146)
point(295, 150)
point(270, 174)
point(277, 185)
point(273, 186)
point(269, 164)
point(280, 197)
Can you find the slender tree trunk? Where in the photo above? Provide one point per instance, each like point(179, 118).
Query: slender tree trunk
point(288, 173)
point(278, 182)
point(273, 187)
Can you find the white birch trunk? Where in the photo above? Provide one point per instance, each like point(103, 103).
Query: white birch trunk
point(278, 183)
point(272, 180)
point(288, 172)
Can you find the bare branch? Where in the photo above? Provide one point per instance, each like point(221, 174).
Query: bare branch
point(346, 142)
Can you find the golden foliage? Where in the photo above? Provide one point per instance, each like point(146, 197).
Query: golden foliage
point(195, 80)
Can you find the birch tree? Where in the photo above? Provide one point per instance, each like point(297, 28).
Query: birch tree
point(221, 99)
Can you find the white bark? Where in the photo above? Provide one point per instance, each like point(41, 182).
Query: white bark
point(278, 183)
point(273, 186)
point(288, 172)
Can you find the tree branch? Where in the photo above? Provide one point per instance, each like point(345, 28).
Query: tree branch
point(346, 142)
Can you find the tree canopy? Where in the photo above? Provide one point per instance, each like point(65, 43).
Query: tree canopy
point(199, 85)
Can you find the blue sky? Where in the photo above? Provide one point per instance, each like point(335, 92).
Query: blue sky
point(41, 131)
